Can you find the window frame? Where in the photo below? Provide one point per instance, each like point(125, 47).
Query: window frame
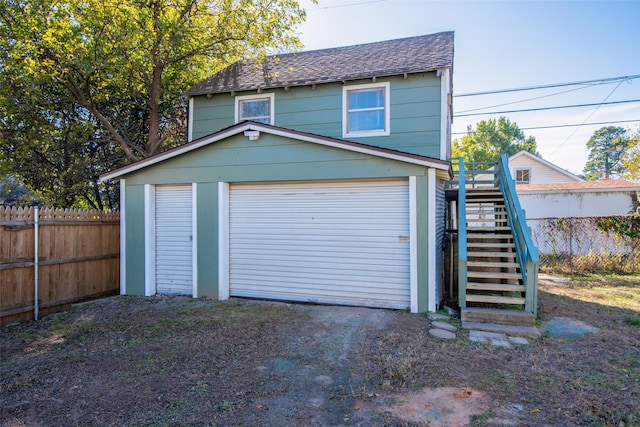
point(269, 96)
point(520, 170)
point(346, 89)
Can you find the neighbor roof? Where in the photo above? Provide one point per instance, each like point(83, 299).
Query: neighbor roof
point(603, 185)
point(409, 55)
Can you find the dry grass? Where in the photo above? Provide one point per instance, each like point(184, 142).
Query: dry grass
point(180, 361)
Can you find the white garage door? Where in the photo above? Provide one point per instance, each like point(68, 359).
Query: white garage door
point(330, 242)
point(174, 239)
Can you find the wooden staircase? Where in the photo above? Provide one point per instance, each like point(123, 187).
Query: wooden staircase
point(497, 260)
point(493, 275)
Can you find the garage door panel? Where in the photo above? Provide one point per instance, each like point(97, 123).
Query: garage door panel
point(334, 242)
point(173, 238)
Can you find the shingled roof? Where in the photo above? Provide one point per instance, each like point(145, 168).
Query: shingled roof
point(409, 55)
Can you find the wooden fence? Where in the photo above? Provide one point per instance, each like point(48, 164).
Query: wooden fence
point(78, 259)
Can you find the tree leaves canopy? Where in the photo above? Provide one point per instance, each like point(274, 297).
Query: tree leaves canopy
point(607, 146)
point(111, 73)
point(631, 160)
point(492, 138)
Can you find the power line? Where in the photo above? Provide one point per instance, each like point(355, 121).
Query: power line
point(564, 126)
point(598, 104)
point(520, 89)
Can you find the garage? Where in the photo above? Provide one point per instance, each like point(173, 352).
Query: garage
point(338, 242)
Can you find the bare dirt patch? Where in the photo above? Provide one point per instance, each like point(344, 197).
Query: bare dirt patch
point(180, 361)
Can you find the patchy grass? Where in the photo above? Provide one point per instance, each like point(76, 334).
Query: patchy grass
point(181, 361)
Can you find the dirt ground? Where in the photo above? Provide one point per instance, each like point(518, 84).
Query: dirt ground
point(174, 361)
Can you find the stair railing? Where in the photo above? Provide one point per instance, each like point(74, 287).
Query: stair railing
point(526, 251)
point(462, 235)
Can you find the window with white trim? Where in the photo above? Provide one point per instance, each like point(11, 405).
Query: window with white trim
point(257, 108)
point(365, 110)
point(523, 176)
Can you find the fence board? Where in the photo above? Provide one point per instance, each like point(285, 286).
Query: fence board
point(79, 253)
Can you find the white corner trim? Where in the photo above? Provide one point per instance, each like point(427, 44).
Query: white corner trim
point(387, 111)
point(223, 241)
point(123, 239)
point(445, 127)
point(194, 238)
point(432, 233)
point(413, 245)
point(149, 240)
point(190, 120)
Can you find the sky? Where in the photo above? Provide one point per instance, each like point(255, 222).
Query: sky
point(512, 45)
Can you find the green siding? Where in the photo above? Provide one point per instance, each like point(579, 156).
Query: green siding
point(207, 214)
point(270, 158)
point(134, 232)
point(415, 112)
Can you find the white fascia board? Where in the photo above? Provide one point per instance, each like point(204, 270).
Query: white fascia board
point(190, 120)
point(239, 129)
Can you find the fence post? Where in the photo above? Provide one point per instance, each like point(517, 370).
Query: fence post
point(36, 256)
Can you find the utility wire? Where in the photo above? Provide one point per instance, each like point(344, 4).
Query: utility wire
point(598, 104)
point(520, 89)
point(563, 126)
point(588, 117)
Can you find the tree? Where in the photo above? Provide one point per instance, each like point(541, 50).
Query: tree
point(631, 159)
point(111, 73)
point(607, 146)
point(491, 139)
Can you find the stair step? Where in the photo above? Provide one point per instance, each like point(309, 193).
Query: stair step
point(491, 245)
point(488, 229)
point(498, 264)
point(494, 200)
point(493, 275)
point(502, 287)
point(491, 220)
point(490, 254)
point(511, 330)
point(494, 299)
point(475, 235)
point(496, 315)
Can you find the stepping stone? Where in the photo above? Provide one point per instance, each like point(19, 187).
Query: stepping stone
point(500, 343)
point(437, 316)
point(446, 326)
point(518, 341)
point(488, 335)
point(473, 338)
point(441, 333)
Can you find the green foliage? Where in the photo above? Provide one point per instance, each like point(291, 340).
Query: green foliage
point(607, 146)
point(491, 139)
point(631, 159)
point(88, 85)
point(625, 227)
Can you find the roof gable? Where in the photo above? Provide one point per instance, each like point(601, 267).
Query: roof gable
point(545, 163)
point(392, 57)
point(248, 127)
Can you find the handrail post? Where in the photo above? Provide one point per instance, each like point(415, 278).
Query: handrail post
point(462, 236)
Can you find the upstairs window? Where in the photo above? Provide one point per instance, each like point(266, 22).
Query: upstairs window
point(365, 110)
point(257, 108)
point(523, 176)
